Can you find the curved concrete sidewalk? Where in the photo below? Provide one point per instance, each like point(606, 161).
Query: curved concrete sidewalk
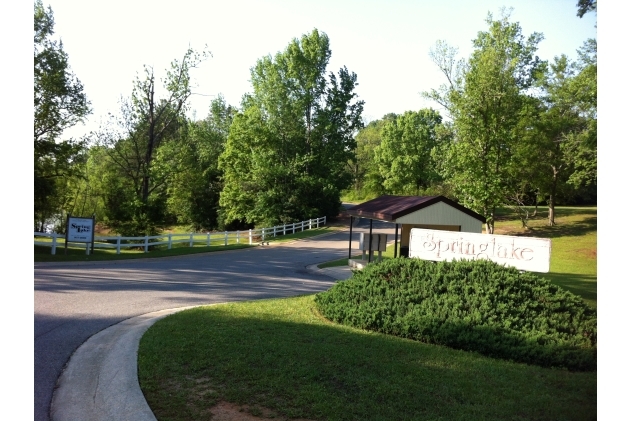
point(100, 381)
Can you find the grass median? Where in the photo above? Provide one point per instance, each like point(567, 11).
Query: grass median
point(280, 359)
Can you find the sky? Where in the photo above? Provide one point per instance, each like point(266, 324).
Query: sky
point(386, 43)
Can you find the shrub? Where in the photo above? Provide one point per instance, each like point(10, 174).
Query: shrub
point(471, 305)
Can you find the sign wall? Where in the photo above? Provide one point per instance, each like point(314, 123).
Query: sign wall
point(524, 253)
point(80, 230)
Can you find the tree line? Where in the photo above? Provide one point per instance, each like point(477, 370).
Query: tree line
point(515, 130)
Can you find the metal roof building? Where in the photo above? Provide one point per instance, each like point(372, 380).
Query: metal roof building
point(429, 212)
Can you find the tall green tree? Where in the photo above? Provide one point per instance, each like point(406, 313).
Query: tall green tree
point(564, 132)
point(287, 151)
point(191, 163)
point(585, 6)
point(132, 139)
point(367, 179)
point(404, 157)
point(487, 107)
point(59, 103)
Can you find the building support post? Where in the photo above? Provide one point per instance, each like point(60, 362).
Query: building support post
point(350, 239)
point(396, 236)
point(370, 243)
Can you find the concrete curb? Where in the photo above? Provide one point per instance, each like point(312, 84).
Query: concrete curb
point(100, 382)
point(339, 273)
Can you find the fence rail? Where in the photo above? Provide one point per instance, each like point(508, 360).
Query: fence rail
point(252, 236)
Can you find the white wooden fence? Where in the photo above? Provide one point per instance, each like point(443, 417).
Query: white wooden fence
point(259, 235)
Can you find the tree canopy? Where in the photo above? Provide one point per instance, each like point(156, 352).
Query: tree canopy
point(286, 154)
point(59, 103)
point(404, 157)
point(487, 104)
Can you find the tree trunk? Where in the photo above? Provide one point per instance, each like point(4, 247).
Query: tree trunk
point(490, 223)
point(553, 190)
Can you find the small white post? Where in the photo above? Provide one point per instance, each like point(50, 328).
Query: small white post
point(274, 231)
point(118, 245)
point(87, 249)
point(318, 223)
point(146, 243)
point(263, 231)
point(293, 227)
point(170, 241)
point(53, 249)
point(190, 241)
point(250, 237)
point(309, 223)
point(324, 223)
point(225, 241)
point(284, 229)
point(238, 237)
point(302, 226)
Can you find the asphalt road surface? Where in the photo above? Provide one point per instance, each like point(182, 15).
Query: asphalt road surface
point(75, 301)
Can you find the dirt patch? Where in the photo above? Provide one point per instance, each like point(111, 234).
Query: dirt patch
point(102, 229)
point(225, 411)
point(589, 253)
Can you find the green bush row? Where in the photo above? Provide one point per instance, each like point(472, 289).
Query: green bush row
point(471, 305)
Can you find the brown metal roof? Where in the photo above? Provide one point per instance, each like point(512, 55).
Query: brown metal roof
point(390, 208)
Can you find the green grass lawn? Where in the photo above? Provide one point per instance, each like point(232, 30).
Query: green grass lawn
point(74, 253)
point(573, 263)
point(279, 359)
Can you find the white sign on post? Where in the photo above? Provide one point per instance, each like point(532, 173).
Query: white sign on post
point(524, 253)
point(80, 230)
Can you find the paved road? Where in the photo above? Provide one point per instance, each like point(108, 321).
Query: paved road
point(75, 301)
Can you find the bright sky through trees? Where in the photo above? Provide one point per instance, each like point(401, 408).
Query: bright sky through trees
point(385, 42)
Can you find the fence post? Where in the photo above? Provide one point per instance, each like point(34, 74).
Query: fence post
point(87, 249)
point(53, 249)
point(263, 231)
point(190, 241)
point(324, 223)
point(309, 223)
point(274, 231)
point(317, 222)
point(238, 237)
point(302, 226)
point(146, 243)
point(250, 237)
point(293, 228)
point(225, 242)
point(284, 229)
point(170, 241)
point(118, 245)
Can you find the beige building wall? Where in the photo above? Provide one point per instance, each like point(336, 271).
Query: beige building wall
point(442, 216)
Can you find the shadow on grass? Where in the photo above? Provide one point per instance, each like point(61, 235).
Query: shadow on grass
point(287, 359)
point(575, 229)
point(581, 285)
point(542, 212)
point(42, 253)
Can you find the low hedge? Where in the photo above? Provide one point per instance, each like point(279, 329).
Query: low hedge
point(470, 305)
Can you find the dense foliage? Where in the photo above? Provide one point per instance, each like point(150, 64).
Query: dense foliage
point(513, 130)
point(471, 305)
point(285, 157)
point(59, 103)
